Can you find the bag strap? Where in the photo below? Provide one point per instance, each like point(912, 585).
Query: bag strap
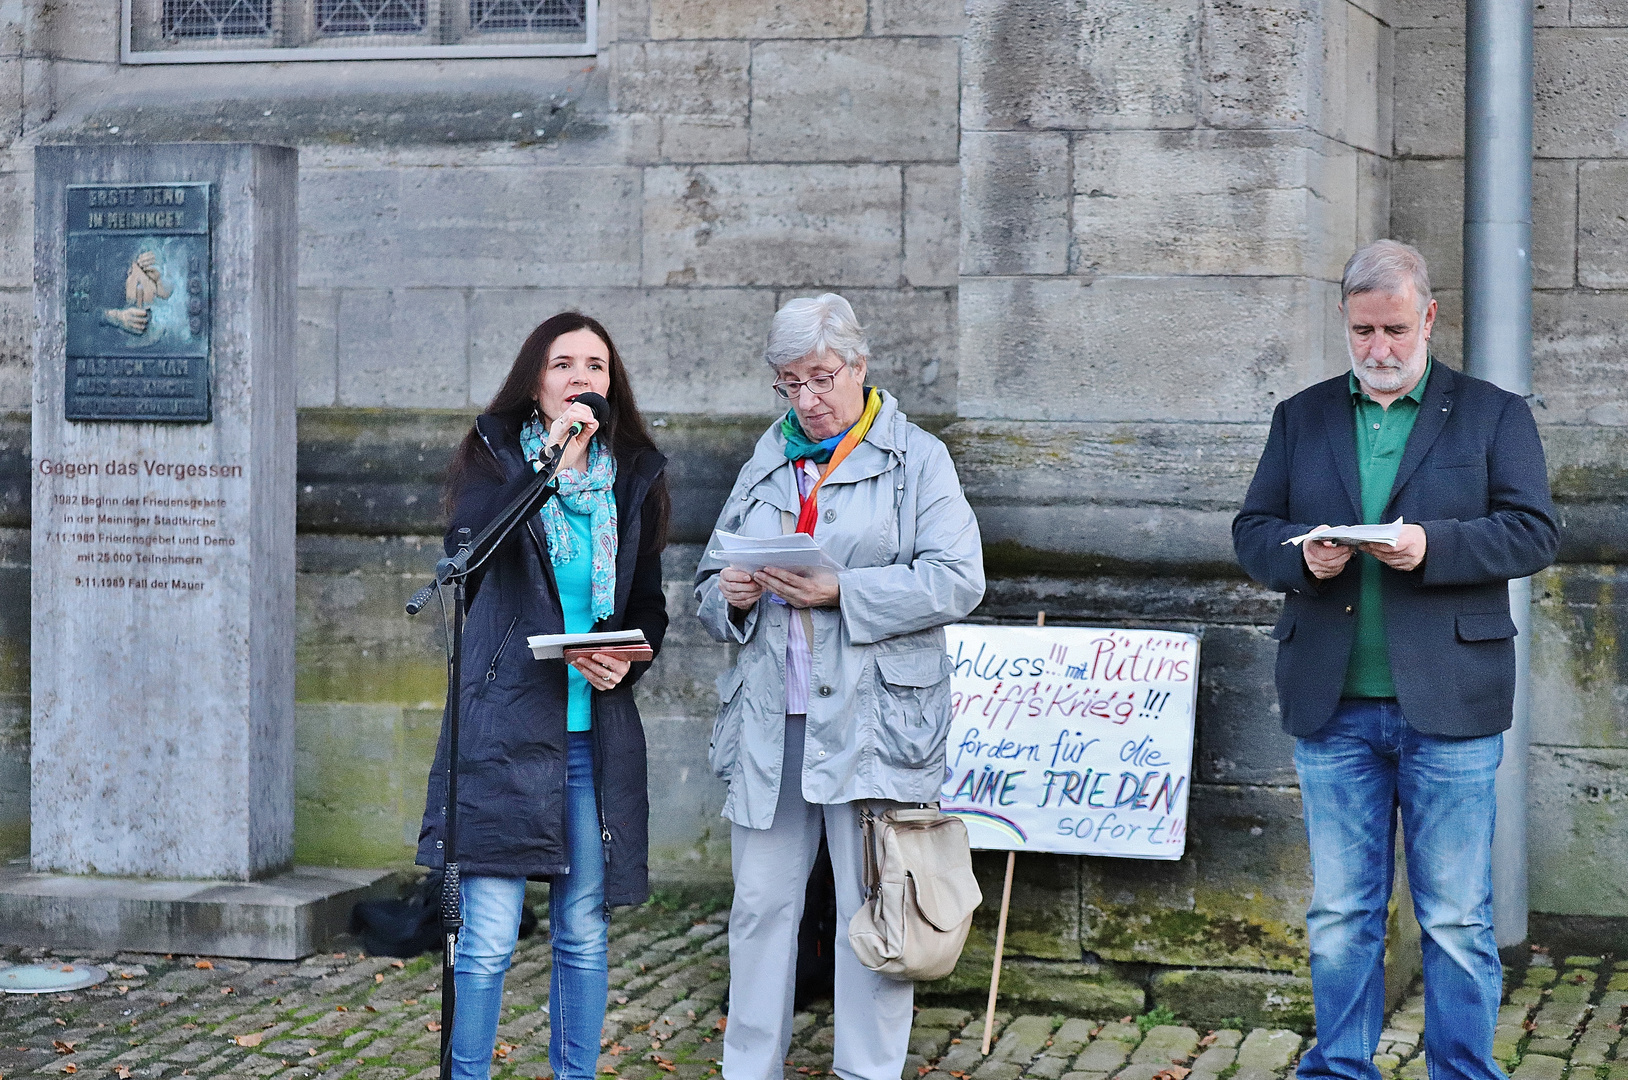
point(867, 832)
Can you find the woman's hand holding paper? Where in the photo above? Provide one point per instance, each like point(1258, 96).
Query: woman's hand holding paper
point(811, 588)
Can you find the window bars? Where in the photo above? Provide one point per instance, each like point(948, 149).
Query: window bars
point(188, 19)
point(370, 16)
point(530, 15)
point(227, 31)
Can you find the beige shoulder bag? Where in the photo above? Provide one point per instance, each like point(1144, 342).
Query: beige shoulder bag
point(919, 893)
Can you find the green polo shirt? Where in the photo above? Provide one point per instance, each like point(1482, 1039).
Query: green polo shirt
point(1382, 435)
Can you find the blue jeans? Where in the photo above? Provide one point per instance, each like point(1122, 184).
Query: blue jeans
point(578, 932)
point(1354, 773)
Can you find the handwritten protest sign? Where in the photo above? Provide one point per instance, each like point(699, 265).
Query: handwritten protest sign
point(1071, 739)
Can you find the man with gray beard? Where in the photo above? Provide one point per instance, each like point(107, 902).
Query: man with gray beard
point(1396, 664)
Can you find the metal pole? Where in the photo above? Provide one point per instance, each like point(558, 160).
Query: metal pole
point(1498, 344)
point(451, 897)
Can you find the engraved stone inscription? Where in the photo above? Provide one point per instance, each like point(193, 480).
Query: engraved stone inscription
point(142, 524)
point(138, 302)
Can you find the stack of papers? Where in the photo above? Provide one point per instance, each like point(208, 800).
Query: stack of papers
point(1352, 535)
point(794, 551)
point(553, 646)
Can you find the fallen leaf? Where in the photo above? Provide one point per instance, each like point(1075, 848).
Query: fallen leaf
point(69, 967)
point(226, 990)
point(1208, 1040)
point(70, 1068)
point(397, 964)
point(923, 1070)
point(339, 956)
point(370, 1008)
point(64, 1047)
point(723, 1022)
point(204, 965)
point(432, 1025)
point(666, 1066)
point(360, 1061)
point(1174, 1072)
point(606, 1069)
point(122, 1072)
point(1126, 1019)
point(60, 1022)
point(954, 1042)
point(409, 1001)
point(122, 989)
point(340, 1008)
point(617, 1049)
point(253, 1038)
point(621, 1001)
point(310, 1051)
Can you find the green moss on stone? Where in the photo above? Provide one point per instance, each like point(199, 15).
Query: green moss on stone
point(1146, 933)
point(1215, 998)
point(1049, 986)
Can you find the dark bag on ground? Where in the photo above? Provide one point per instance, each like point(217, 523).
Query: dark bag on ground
point(411, 926)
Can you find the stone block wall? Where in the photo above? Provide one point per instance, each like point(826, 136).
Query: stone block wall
point(1580, 305)
point(714, 160)
point(1157, 199)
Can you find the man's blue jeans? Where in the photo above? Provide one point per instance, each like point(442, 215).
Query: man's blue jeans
point(1354, 774)
point(577, 930)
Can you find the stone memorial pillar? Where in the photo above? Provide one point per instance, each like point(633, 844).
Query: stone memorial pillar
point(162, 660)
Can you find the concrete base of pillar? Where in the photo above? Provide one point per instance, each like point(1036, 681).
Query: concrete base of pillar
point(285, 917)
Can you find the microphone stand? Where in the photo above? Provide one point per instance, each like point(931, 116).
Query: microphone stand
point(455, 570)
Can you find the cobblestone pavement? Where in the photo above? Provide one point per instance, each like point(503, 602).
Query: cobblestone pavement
point(345, 1016)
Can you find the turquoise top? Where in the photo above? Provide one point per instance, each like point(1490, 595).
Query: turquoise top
point(1382, 438)
point(575, 581)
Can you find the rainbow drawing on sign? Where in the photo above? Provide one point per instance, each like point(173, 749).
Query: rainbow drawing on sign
point(993, 821)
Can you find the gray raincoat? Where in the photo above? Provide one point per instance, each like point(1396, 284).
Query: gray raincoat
point(879, 703)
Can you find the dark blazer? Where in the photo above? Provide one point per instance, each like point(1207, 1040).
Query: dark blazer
point(1473, 476)
point(511, 771)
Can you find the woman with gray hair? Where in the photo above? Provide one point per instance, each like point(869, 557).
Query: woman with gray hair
point(839, 701)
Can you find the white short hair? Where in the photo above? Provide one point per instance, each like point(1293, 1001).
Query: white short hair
point(818, 324)
point(1386, 266)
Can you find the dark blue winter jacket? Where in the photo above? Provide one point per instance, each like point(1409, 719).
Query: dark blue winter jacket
point(511, 773)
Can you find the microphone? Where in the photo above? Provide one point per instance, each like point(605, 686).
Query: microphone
point(600, 408)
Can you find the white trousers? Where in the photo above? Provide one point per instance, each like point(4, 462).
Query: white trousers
point(871, 1014)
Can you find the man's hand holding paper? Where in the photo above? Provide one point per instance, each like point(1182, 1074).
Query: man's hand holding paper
point(1406, 554)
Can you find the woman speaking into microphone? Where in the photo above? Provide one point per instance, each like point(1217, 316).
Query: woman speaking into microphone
point(551, 764)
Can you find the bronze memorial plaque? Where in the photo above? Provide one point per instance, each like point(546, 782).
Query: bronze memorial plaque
point(138, 302)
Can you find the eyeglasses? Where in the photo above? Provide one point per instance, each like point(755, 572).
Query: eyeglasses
point(819, 384)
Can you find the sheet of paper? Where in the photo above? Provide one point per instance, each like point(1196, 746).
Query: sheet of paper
point(1352, 535)
point(552, 646)
point(794, 551)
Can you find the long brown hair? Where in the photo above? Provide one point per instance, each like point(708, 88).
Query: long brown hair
point(623, 433)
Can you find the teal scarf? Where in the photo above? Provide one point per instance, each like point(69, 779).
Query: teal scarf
point(799, 445)
point(586, 492)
